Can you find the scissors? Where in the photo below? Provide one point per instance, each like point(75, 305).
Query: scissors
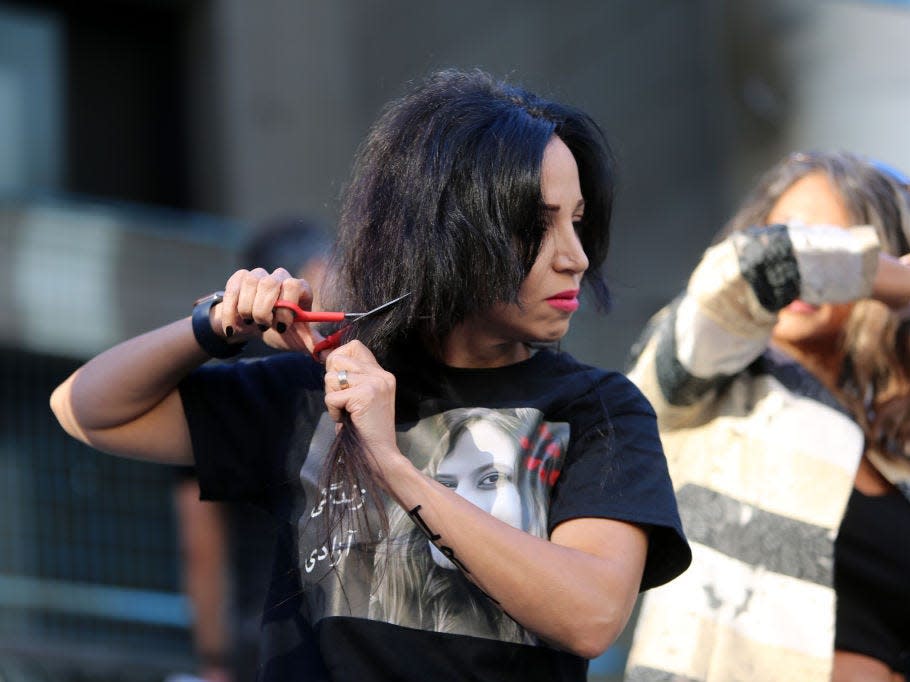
point(334, 339)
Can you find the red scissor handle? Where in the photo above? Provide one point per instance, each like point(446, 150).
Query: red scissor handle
point(301, 315)
point(330, 342)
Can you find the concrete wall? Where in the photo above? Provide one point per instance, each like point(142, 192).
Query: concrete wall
point(817, 74)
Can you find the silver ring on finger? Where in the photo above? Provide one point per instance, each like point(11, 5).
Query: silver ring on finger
point(343, 379)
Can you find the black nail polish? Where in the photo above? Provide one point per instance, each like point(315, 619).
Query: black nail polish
point(263, 327)
point(229, 331)
point(247, 320)
point(281, 327)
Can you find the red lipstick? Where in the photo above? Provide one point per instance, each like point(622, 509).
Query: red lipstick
point(567, 301)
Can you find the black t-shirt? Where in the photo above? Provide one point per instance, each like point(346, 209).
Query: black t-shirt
point(871, 565)
point(535, 444)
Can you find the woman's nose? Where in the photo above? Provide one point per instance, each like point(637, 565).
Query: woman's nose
point(570, 254)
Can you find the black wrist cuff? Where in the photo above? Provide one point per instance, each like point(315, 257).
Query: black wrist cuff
point(207, 339)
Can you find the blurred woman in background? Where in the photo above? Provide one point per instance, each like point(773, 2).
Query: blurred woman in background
point(781, 380)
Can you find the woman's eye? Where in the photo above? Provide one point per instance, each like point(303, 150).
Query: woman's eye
point(491, 480)
point(448, 482)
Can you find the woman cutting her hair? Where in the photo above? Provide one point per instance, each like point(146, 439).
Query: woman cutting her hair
point(489, 207)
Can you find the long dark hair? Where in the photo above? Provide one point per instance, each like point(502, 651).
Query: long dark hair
point(445, 203)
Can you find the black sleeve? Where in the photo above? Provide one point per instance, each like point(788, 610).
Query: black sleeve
point(616, 469)
point(241, 417)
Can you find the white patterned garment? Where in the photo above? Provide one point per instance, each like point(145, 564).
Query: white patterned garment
point(762, 458)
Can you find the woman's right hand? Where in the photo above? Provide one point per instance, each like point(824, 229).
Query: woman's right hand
point(248, 309)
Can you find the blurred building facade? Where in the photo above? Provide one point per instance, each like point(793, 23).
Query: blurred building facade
point(140, 138)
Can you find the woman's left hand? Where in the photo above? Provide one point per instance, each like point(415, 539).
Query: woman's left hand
point(356, 384)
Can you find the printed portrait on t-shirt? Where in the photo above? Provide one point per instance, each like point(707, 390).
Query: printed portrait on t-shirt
point(505, 461)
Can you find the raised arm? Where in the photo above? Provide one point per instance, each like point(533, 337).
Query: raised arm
point(891, 285)
point(725, 318)
point(125, 401)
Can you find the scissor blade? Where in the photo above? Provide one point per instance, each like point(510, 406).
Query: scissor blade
point(385, 305)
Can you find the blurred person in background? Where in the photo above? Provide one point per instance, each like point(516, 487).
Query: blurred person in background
point(226, 549)
point(781, 380)
point(486, 206)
